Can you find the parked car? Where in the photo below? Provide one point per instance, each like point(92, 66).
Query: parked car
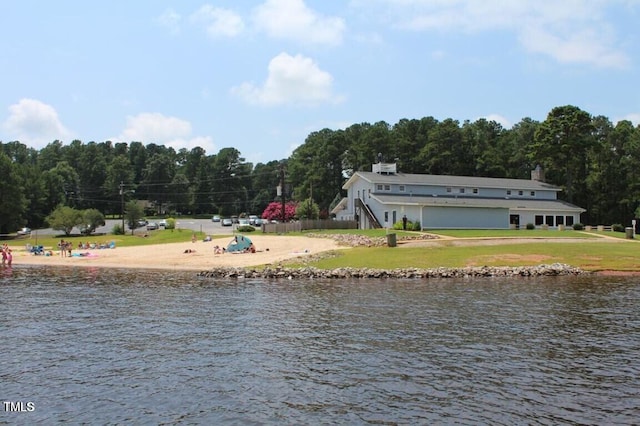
point(243, 222)
point(85, 229)
point(252, 219)
point(215, 218)
point(227, 222)
point(151, 226)
point(162, 223)
point(258, 222)
point(24, 231)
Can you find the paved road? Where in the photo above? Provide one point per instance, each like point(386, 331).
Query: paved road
point(204, 225)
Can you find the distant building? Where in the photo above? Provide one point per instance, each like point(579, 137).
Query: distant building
point(383, 196)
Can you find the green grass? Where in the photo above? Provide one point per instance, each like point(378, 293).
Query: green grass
point(590, 255)
point(159, 236)
point(515, 233)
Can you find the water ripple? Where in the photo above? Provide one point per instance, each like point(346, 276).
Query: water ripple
point(97, 346)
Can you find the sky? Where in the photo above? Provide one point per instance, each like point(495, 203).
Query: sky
point(261, 75)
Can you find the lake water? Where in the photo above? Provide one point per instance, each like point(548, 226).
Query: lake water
point(99, 346)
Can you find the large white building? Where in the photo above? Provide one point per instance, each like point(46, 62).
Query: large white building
point(383, 196)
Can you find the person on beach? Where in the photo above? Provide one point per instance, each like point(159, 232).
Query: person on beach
point(62, 245)
point(9, 257)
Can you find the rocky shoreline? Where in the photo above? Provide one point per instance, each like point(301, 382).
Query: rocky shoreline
point(555, 269)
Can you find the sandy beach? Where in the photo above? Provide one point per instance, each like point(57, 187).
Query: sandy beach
point(270, 250)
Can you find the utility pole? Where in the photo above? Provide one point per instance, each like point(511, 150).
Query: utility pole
point(282, 186)
point(122, 203)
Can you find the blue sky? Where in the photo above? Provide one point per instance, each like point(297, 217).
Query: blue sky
point(261, 75)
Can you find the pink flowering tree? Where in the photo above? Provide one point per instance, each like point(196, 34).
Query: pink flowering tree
point(274, 211)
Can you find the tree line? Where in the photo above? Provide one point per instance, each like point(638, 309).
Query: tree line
point(595, 162)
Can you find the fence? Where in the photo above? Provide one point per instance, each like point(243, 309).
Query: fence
point(303, 225)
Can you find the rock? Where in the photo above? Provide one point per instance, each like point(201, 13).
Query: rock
point(279, 272)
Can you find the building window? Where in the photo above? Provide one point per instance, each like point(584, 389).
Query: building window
point(549, 220)
point(520, 192)
point(475, 190)
point(569, 220)
point(401, 188)
point(461, 190)
point(386, 217)
point(369, 192)
point(387, 187)
point(449, 189)
point(559, 220)
point(533, 193)
point(508, 192)
point(539, 219)
point(379, 187)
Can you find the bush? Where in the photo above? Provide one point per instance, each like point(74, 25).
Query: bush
point(246, 228)
point(578, 227)
point(531, 226)
point(415, 226)
point(617, 227)
point(117, 229)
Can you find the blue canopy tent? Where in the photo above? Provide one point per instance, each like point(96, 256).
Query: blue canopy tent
point(239, 243)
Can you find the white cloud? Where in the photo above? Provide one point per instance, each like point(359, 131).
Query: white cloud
point(501, 120)
point(291, 80)
point(569, 31)
point(219, 22)
point(170, 19)
point(293, 20)
point(633, 117)
point(162, 130)
point(35, 123)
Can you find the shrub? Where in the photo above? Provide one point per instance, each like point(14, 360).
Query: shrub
point(246, 228)
point(578, 227)
point(411, 226)
point(117, 229)
point(617, 227)
point(531, 226)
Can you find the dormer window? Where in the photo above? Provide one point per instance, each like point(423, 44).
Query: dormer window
point(462, 190)
point(475, 191)
point(448, 189)
point(401, 188)
point(508, 192)
point(520, 192)
point(533, 193)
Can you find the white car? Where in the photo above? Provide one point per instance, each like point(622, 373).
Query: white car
point(227, 222)
point(24, 231)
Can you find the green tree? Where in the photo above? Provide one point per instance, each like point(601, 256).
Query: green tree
point(91, 219)
point(14, 204)
point(64, 218)
point(158, 174)
point(562, 143)
point(133, 213)
point(307, 209)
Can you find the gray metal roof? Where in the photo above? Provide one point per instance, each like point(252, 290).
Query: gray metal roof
point(511, 204)
point(454, 181)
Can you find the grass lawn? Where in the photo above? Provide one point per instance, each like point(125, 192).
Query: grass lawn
point(159, 236)
point(592, 254)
